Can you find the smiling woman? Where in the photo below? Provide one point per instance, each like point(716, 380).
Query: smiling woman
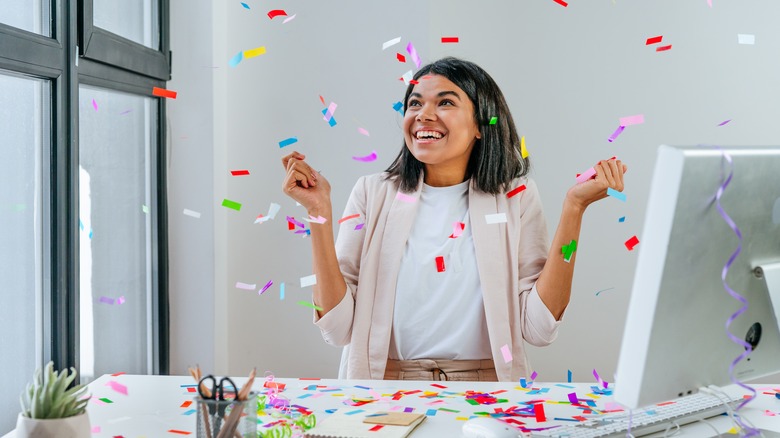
point(410, 299)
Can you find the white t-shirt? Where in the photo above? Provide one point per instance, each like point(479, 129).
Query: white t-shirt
point(439, 315)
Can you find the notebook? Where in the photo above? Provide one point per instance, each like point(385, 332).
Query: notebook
point(366, 424)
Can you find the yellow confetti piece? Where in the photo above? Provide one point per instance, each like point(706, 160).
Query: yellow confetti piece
point(337, 395)
point(254, 52)
point(733, 431)
point(523, 150)
point(462, 418)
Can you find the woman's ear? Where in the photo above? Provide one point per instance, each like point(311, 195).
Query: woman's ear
point(479, 136)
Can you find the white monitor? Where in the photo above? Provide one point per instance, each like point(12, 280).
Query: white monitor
point(675, 335)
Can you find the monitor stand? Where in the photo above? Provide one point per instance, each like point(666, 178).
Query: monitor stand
point(770, 272)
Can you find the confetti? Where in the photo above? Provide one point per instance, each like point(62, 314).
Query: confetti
point(539, 407)
point(439, 264)
point(615, 134)
point(235, 60)
point(588, 174)
point(398, 106)
point(329, 113)
point(145, 209)
point(523, 150)
point(601, 382)
point(94, 104)
point(288, 141)
point(413, 53)
point(663, 48)
point(407, 77)
point(120, 300)
point(457, 229)
point(654, 40)
point(251, 53)
point(615, 194)
point(376, 428)
point(316, 220)
point(272, 210)
point(603, 290)
point(191, 213)
point(724, 122)
point(493, 120)
point(289, 18)
point(445, 40)
point(179, 432)
point(573, 398)
point(231, 204)
point(561, 2)
point(569, 376)
point(622, 219)
point(368, 158)
point(245, 5)
point(746, 39)
point(162, 92)
point(118, 387)
point(631, 243)
point(281, 291)
point(309, 280)
point(359, 227)
point(506, 353)
point(568, 250)
point(276, 13)
point(363, 131)
point(400, 57)
point(405, 198)
point(265, 288)
point(242, 172)
point(332, 120)
point(346, 218)
point(497, 218)
point(311, 305)
point(106, 300)
point(392, 42)
point(245, 286)
point(516, 191)
point(632, 120)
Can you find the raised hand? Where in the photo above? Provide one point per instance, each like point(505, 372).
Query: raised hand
point(305, 185)
point(609, 174)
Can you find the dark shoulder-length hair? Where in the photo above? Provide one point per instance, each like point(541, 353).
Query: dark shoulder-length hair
point(495, 159)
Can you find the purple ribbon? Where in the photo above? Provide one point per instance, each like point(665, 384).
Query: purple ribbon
point(748, 348)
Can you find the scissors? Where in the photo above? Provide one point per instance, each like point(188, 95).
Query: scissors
point(218, 393)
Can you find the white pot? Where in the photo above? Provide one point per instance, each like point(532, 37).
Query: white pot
point(71, 427)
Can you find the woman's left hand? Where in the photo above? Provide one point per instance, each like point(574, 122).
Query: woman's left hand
point(609, 174)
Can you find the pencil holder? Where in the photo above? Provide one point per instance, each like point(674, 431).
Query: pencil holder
point(227, 418)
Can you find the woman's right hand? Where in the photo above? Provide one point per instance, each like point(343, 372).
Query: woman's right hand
point(306, 185)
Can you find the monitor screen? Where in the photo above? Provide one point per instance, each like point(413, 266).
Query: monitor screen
point(675, 338)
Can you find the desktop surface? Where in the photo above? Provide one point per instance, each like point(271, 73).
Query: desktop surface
point(163, 406)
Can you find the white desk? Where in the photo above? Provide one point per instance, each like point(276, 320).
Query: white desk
point(153, 404)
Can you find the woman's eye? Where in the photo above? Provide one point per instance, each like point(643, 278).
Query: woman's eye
point(446, 102)
point(414, 103)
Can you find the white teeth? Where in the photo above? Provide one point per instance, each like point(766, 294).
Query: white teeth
point(428, 134)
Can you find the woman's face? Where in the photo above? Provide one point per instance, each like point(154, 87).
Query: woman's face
point(439, 126)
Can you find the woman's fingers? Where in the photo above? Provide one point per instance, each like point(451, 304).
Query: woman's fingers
point(606, 173)
point(300, 166)
point(294, 154)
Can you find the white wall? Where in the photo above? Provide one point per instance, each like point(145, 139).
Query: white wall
point(568, 74)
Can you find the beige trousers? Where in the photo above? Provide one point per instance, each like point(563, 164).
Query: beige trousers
point(481, 370)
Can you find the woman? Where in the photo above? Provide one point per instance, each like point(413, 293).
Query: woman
point(450, 273)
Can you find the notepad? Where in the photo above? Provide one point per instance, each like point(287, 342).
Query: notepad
point(366, 424)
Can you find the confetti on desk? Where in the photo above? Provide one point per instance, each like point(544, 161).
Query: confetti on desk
point(118, 387)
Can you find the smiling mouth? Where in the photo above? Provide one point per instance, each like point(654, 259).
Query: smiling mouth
point(424, 135)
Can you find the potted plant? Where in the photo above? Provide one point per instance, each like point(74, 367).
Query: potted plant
point(51, 409)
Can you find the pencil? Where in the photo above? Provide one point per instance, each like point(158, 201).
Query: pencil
point(247, 388)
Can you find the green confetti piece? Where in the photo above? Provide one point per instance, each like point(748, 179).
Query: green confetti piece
point(105, 400)
point(493, 120)
point(568, 250)
point(448, 410)
point(145, 209)
point(308, 304)
point(231, 204)
point(472, 401)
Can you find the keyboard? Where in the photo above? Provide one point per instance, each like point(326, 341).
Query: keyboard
point(644, 421)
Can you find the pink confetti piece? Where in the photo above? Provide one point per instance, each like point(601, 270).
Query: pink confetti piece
point(506, 353)
point(265, 288)
point(118, 387)
point(292, 220)
point(120, 300)
point(363, 131)
point(709, 2)
point(368, 158)
point(602, 382)
point(316, 220)
point(632, 120)
point(588, 174)
point(94, 104)
point(106, 300)
point(359, 227)
point(405, 198)
point(95, 429)
point(724, 122)
point(329, 113)
point(615, 134)
point(457, 229)
point(413, 53)
point(245, 286)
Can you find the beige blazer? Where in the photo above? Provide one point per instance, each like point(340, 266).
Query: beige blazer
point(510, 257)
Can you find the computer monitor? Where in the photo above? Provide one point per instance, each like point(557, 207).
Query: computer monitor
point(675, 339)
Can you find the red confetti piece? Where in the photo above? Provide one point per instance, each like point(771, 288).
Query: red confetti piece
point(439, 264)
point(413, 82)
point(239, 172)
point(346, 218)
point(186, 404)
point(276, 13)
point(561, 2)
point(449, 39)
point(654, 40)
point(663, 48)
point(631, 243)
point(516, 191)
point(190, 389)
point(400, 57)
point(666, 403)
point(438, 386)
point(290, 226)
point(179, 432)
point(162, 92)
point(539, 413)
point(376, 428)
point(118, 374)
point(323, 101)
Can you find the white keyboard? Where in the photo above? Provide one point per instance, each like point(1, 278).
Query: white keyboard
point(646, 420)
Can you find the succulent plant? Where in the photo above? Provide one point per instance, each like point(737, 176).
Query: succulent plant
point(48, 396)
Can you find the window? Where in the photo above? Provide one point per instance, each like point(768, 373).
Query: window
point(83, 274)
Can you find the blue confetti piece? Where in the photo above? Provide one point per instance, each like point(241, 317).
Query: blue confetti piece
point(534, 392)
point(245, 5)
point(330, 411)
point(545, 390)
point(431, 412)
point(234, 61)
point(281, 291)
point(565, 419)
point(569, 380)
point(522, 382)
point(81, 225)
point(288, 141)
point(565, 386)
point(332, 120)
point(305, 396)
point(356, 411)
point(622, 219)
point(362, 387)
point(398, 106)
point(90, 233)
point(190, 412)
point(615, 194)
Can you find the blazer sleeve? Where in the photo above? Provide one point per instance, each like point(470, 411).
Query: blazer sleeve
point(539, 325)
point(336, 325)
